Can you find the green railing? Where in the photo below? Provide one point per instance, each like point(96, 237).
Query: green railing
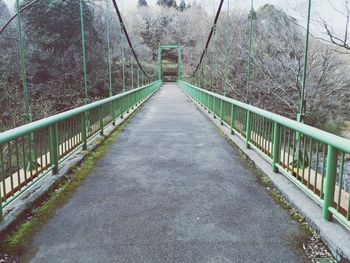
point(29, 152)
point(313, 159)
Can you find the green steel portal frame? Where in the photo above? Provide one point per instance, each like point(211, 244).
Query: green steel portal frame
point(160, 63)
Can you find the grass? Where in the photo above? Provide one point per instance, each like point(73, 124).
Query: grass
point(266, 180)
point(62, 190)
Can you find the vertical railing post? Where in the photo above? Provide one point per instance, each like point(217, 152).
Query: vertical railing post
point(54, 147)
point(221, 111)
point(113, 112)
point(248, 129)
point(1, 213)
point(330, 182)
point(179, 62)
point(133, 100)
point(201, 93)
point(127, 103)
point(138, 77)
point(276, 147)
point(208, 102)
point(100, 116)
point(3, 180)
point(84, 129)
point(232, 118)
point(214, 99)
point(132, 73)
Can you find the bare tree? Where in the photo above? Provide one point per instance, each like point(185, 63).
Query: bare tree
point(339, 40)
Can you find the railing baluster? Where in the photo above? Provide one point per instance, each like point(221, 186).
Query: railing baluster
point(276, 146)
point(101, 119)
point(54, 150)
point(18, 166)
point(341, 173)
point(10, 165)
point(330, 182)
point(232, 124)
point(310, 162)
point(248, 129)
point(323, 170)
point(84, 129)
point(221, 111)
point(3, 179)
point(299, 140)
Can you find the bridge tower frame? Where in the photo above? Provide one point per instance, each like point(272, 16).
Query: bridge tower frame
point(160, 63)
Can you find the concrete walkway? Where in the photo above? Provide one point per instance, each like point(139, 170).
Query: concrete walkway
point(170, 189)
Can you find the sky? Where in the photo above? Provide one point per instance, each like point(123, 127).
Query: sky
point(297, 8)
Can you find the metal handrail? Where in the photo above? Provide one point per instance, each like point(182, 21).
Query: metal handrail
point(38, 147)
point(289, 146)
point(31, 127)
point(328, 138)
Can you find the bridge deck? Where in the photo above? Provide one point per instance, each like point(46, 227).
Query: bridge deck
point(170, 189)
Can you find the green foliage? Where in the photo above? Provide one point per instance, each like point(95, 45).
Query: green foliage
point(333, 125)
point(252, 13)
point(267, 8)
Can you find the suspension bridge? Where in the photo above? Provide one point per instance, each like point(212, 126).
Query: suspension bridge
point(171, 188)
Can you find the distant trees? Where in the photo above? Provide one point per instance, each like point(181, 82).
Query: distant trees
point(54, 51)
point(53, 56)
point(10, 96)
point(167, 3)
point(142, 3)
point(7, 41)
point(173, 4)
point(182, 6)
point(157, 27)
point(277, 64)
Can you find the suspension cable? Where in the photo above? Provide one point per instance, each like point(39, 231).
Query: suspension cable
point(127, 37)
point(209, 37)
point(15, 15)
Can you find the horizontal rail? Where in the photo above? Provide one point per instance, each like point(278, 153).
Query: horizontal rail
point(20, 131)
point(326, 137)
point(313, 159)
point(29, 152)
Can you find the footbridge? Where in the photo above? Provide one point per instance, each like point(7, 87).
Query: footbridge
point(176, 184)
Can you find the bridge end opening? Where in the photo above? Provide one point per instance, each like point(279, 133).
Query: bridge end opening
point(169, 62)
